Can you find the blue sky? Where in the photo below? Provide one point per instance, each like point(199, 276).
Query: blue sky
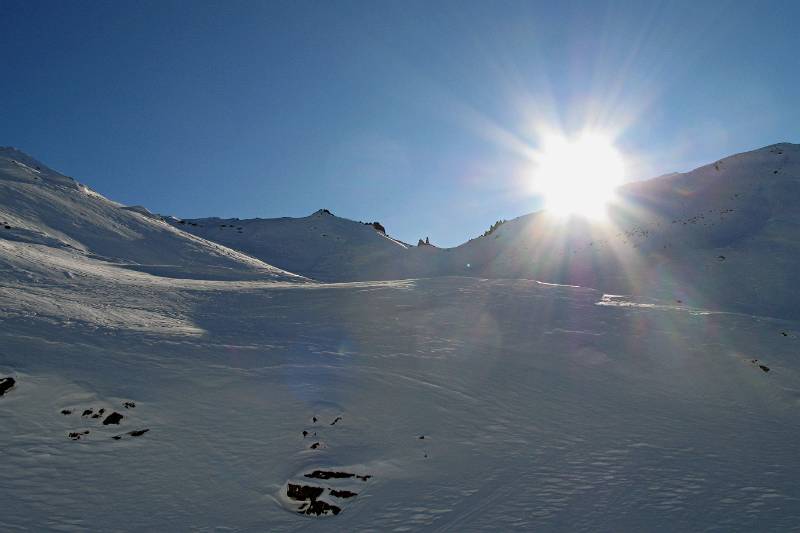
point(416, 114)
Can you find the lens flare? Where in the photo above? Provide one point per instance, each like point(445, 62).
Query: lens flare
point(578, 177)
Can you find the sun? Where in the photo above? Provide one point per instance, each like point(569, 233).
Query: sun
point(579, 176)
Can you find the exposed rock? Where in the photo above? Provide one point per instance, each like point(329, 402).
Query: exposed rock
point(66, 412)
point(326, 474)
point(309, 494)
point(303, 492)
point(76, 435)
point(322, 474)
point(113, 418)
point(319, 507)
point(6, 384)
point(343, 493)
point(129, 405)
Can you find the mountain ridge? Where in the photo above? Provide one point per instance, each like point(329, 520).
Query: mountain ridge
point(727, 222)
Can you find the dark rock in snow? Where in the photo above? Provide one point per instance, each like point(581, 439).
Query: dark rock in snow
point(327, 474)
point(315, 445)
point(86, 412)
point(6, 384)
point(113, 418)
point(76, 435)
point(138, 432)
point(336, 420)
point(322, 474)
point(319, 507)
point(66, 412)
point(129, 405)
point(303, 492)
point(343, 493)
point(309, 494)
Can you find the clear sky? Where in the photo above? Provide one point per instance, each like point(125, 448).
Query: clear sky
point(417, 114)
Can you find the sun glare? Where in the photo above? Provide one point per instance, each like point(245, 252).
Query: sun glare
point(578, 177)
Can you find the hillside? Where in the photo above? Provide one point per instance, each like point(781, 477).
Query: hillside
point(685, 237)
point(322, 246)
point(46, 216)
point(690, 237)
point(151, 380)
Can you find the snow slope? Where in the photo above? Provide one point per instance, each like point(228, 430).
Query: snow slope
point(446, 404)
point(688, 237)
point(41, 209)
point(540, 410)
point(321, 246)
point(724, 236)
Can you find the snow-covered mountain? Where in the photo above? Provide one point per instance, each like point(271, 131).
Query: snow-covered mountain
point(220, 393)
point(46, 216)
point(692, 237)
point(688, 237)
point(321, 246)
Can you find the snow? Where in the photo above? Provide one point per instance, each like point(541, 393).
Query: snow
point(664, 238)
point(472, 403)
point(48, 209)
point(321, 246)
